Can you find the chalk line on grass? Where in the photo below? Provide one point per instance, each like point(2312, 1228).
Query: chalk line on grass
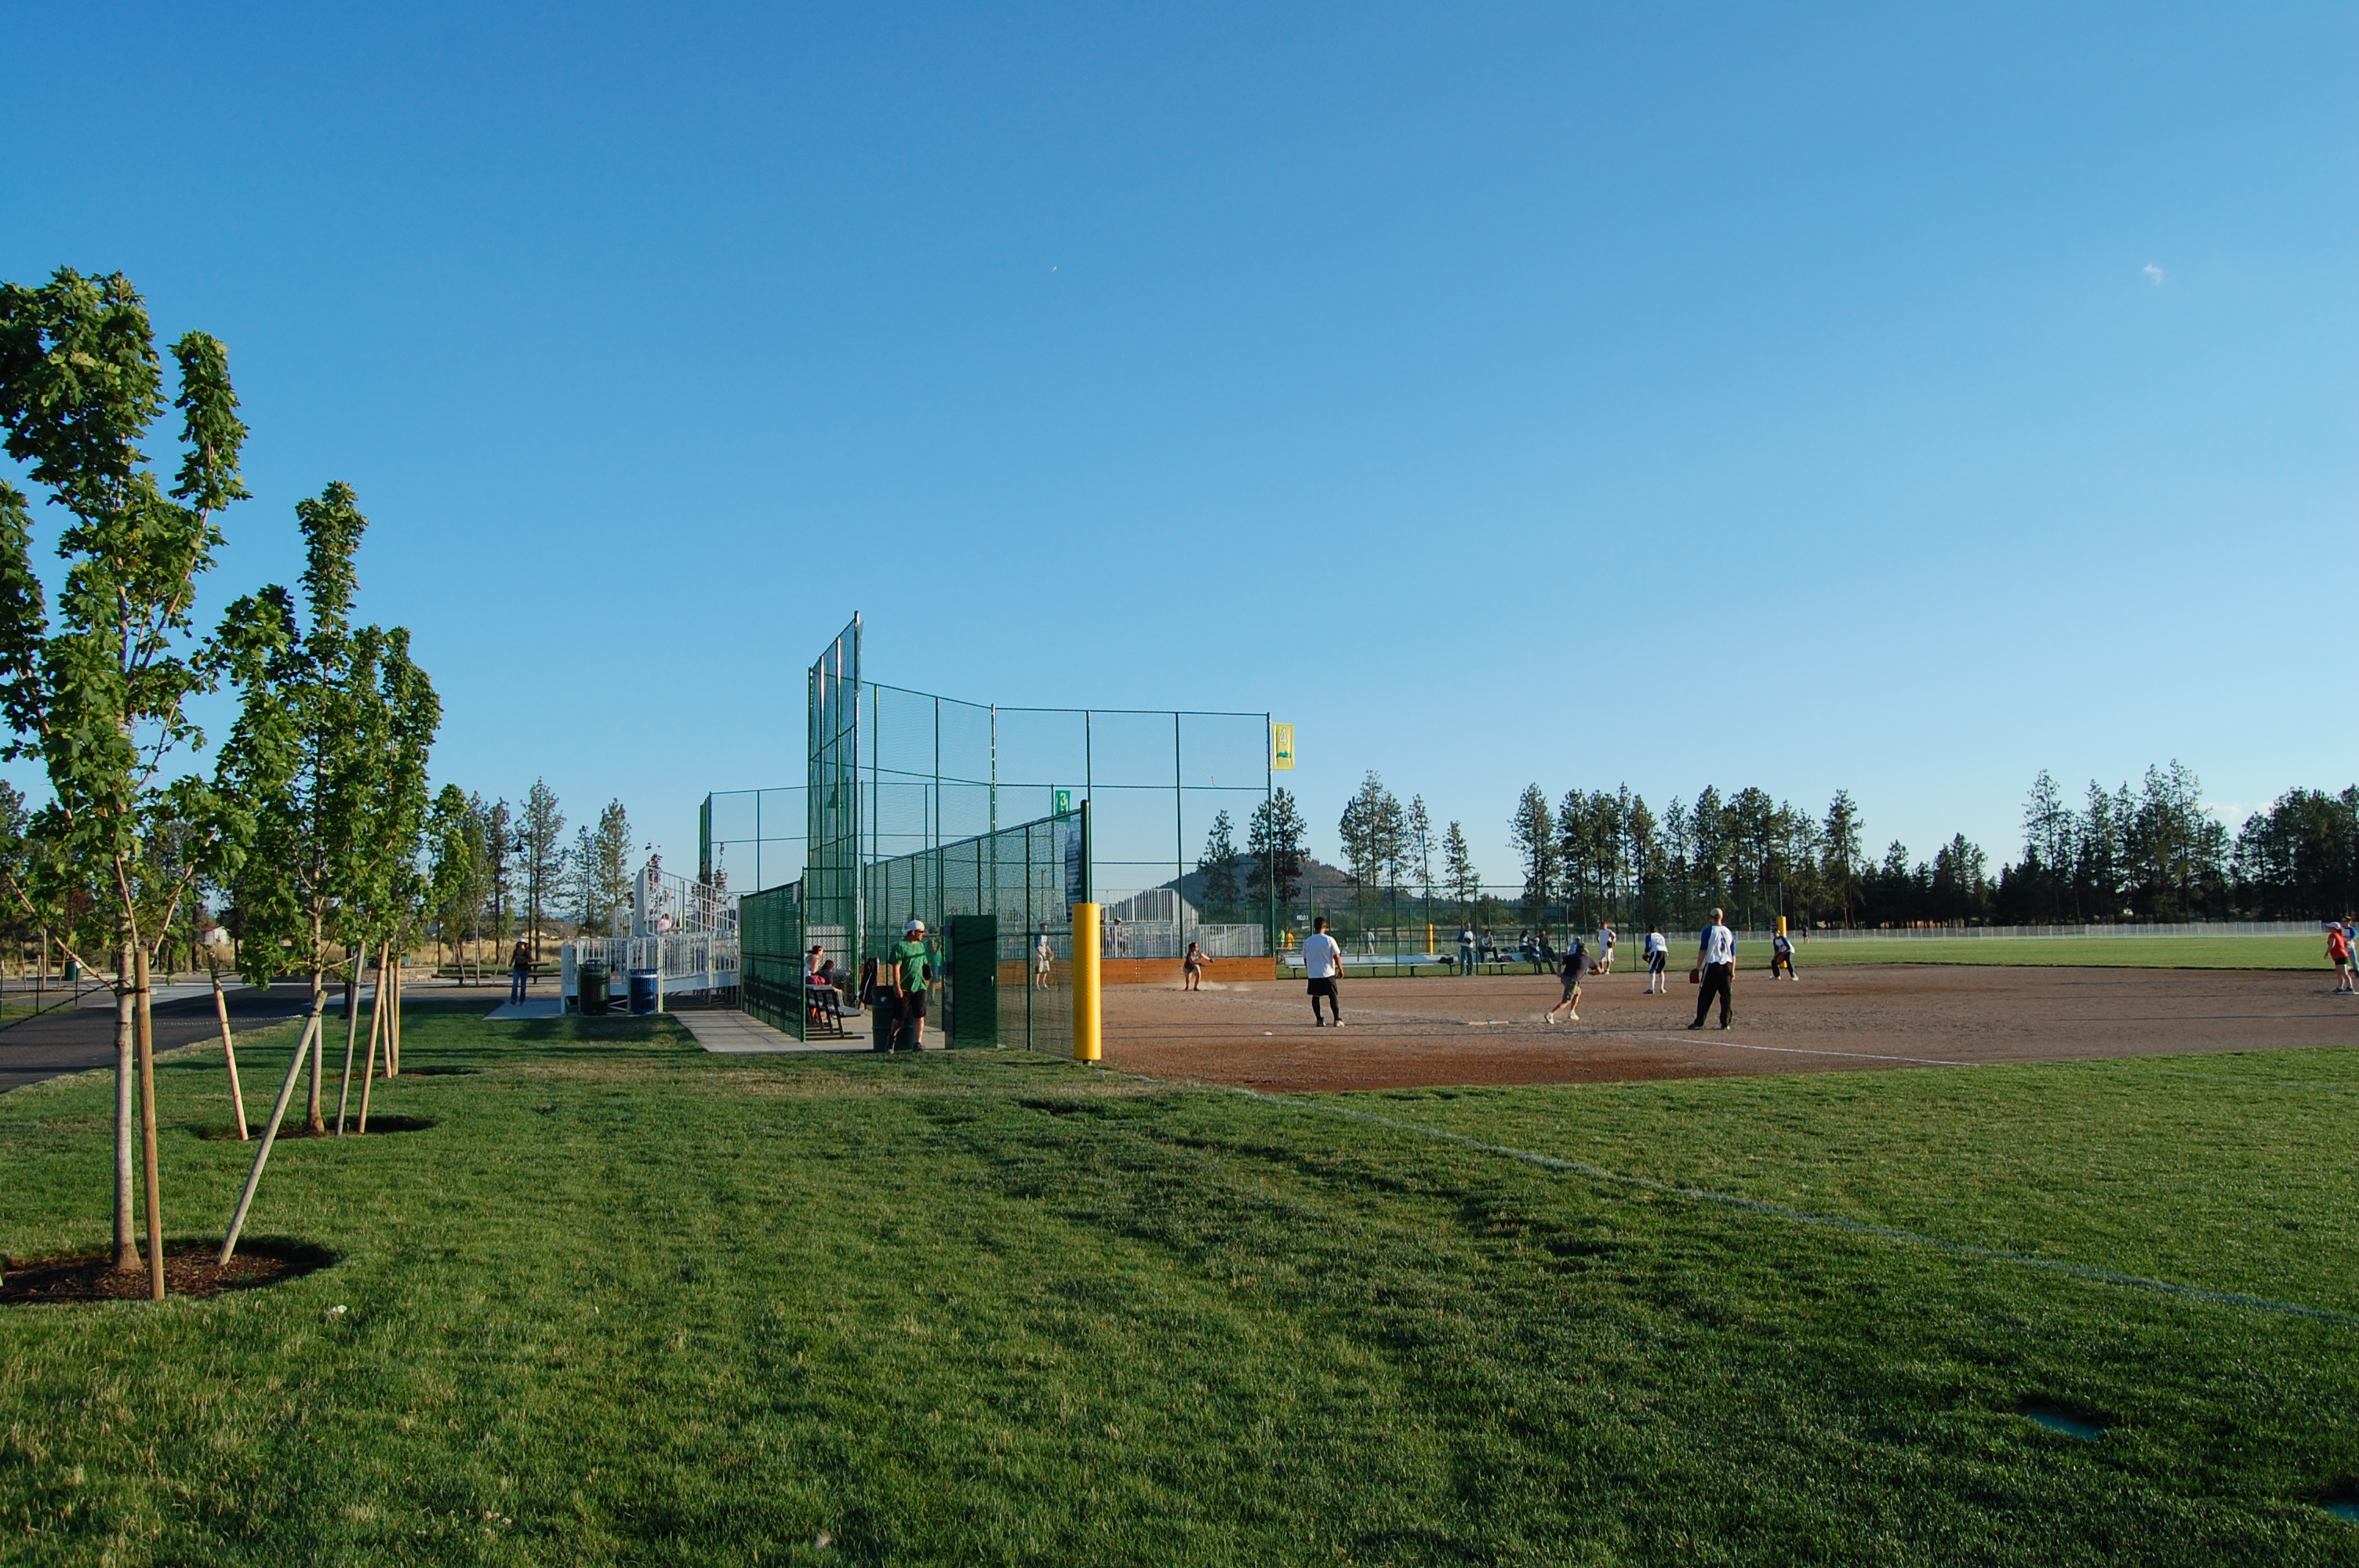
point(1796, 1216)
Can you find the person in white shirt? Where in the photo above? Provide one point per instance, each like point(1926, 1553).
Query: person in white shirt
point(1716, 963)
point(1044, 961)
point(1323, 961)
point(1658, 953)
point(1465, 949)
point(1605, 949)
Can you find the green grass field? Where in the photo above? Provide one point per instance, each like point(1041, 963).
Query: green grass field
point(2100, 952)
point(625, 1301)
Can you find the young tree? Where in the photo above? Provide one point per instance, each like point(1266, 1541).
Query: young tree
point(100, 698)
point(1218, 867)
point(1457, 867)
point(457, 874)
point(541, 841)
point(329, 747)
point(1370, 831)
point(1274, 845)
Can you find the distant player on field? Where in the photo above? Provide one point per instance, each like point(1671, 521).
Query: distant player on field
point(1658, 953)
point(1575, 968)
point(1605, 949)
point(1322, 963)
point(1465, 949)
point(1781, 955)
point(2338, 952)
point(1192, 968)
point(1715, 966)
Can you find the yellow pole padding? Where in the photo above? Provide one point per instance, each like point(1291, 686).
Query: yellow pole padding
point(1086, 982)
point(1781, 926)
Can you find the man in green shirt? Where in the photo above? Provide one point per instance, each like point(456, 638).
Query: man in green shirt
point(914, 965)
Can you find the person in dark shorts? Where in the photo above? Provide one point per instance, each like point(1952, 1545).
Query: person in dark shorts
point(915, 963)
point(1658, 953)
point(1715, 969)
point(1192, 968)
point(1322, 963)
point(1781, 955)
point(1574, 968)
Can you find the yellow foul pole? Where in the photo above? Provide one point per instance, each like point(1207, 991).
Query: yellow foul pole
point(1086, 982)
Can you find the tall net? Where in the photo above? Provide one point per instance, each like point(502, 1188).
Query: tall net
point(749, 839)
point(1009, 972)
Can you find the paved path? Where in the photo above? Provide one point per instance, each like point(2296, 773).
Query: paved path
point(75, 1039)
point(742, 1035)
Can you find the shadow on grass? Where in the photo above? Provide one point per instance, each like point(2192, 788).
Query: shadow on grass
point(226, 1132)
point(189, 1270)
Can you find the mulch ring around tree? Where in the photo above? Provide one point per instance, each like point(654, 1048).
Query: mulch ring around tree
point(189, 1270)
point(226, 1132)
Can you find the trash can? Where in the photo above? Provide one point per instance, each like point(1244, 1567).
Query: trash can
point(880, 1024)
point(73, 971)
point(590, 986)
point(643, 990)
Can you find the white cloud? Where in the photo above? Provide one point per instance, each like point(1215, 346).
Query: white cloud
point(2154, 274)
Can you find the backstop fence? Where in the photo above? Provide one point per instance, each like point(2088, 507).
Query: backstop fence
point(894, 774)
point(998, 932)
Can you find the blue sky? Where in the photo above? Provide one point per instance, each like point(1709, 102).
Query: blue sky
point(1812, 397)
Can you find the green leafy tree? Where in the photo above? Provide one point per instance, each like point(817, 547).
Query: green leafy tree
point(457, 875)
point(100, 696)
point(329, 747)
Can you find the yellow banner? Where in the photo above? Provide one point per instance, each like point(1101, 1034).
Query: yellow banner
point(1281, 748)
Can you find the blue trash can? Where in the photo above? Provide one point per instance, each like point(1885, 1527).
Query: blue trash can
point(643, 990)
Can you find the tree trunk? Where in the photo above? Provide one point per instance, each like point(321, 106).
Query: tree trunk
point(148, 1126)
point(352, 1035)
point(270, 1132)
point(229, 1055)
point(127, 1246)
point(393, 1026)
point(313, 1123)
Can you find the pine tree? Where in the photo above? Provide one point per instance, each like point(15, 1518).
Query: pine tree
point(1532, 830)
point(1465, 881)
point(1217, 866)
point(1274, 850)
point(541, 841)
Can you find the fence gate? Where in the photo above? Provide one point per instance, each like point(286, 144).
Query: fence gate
point(974, 979)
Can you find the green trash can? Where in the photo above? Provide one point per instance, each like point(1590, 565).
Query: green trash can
point(589, 989)
point(73, 971)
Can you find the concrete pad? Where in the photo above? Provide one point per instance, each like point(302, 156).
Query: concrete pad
point(742, 1035)
point(531, 1006)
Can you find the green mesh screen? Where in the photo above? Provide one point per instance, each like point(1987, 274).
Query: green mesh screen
point(1023, 876)
point(770, 957)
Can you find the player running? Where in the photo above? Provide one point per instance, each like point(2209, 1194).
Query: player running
point(1575, 968)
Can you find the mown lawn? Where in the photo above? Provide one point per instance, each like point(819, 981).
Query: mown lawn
point(2094, 952)
point(625, 1301)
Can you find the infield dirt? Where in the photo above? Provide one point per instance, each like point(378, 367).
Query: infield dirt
point(1426, 1034)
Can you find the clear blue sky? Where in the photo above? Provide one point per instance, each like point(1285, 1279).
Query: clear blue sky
point(1809, 396)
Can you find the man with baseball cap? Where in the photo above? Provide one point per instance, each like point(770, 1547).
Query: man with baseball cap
point(915, 963)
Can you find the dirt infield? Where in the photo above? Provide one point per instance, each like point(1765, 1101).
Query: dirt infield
point(1432, 1033)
